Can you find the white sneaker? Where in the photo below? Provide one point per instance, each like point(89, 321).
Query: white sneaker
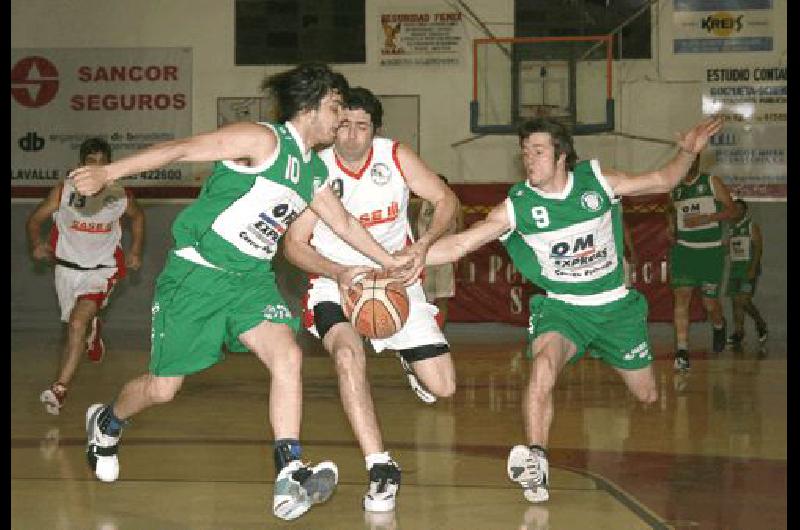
point(421, 392)
point(53, 398)
point(101, 449)
point(384, 481)
point(530, 470)
point(299, 486)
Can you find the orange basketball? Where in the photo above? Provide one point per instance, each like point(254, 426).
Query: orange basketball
point(376, 305)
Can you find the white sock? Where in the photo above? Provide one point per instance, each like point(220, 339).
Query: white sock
point(377, 458)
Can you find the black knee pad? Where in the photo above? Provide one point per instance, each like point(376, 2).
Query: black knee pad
point(420, 353)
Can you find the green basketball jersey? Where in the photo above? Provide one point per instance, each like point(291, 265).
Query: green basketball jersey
point(740, 246)
point(569, 243)
point(242, 212)
point(696, 198)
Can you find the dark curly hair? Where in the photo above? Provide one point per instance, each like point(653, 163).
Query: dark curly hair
point(303, 87)
point(559, 134)
point(94, 145)
point(361, 98)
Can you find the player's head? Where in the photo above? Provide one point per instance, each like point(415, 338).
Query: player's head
point(312, 92)
point(361, 118)
point(94, 152)
point(546, 149)
point(741, 209)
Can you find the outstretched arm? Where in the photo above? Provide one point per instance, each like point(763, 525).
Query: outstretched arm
point(238, 140)
point(40, 250)
point(667, 177)
point(451, 248)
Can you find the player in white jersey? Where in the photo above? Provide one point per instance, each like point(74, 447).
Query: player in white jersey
point(373, 175)
point(85, 245)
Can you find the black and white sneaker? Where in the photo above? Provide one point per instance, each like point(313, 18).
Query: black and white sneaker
point(529, 468)
point(735, 340)
point(101, 449)
point(299, 485)
point(762, 333)
point(682, 360)
point(422, 393)
point(384, 481)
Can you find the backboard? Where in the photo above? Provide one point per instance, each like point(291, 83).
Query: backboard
point(566, 78)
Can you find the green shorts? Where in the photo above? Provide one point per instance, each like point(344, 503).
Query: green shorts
point(742, 286)
point(615, 332)
point(197, 309)
point(697, 267)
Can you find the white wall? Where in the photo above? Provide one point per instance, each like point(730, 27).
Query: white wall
point(653, 97)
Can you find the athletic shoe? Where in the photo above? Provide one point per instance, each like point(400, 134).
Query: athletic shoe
point(718, 343)
point(384, 481)
point(95, 347)
point(762, 333)
point(422, 393)
point(53, 398)
point(735, 340)
point(682, 360)
point(299, 486)
point(380, 520)
point(529, 468)
point(101, 449)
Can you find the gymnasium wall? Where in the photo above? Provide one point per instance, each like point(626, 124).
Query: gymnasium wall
point(654, 98)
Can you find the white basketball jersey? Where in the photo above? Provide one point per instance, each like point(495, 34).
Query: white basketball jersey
point(86, 230)
point(376, 195)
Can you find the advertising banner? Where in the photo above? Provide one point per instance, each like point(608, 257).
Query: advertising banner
point(719, 26)
point(131, 97)
point(420, 36)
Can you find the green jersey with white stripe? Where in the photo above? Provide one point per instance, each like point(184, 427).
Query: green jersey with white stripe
point(574, 237)
point(242, 212)
point(693, 198)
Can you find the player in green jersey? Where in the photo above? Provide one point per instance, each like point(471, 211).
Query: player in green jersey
point(562, 227)
point(697, 258)
point(218, 286)
point(744, 248)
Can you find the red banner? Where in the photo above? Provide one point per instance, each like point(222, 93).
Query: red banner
point(489, 288)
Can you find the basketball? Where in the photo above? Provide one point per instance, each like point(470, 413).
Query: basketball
point(377, 305)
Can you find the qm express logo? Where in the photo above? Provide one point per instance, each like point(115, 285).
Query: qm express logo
point(34, 82)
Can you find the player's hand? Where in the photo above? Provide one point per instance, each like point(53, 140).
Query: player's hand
point(133, 261)
point(671, 240)
point(416, 253)
point(695, 139)
point(90, 179)
point(403, 269)
point(347, 277)
point(751, 274)
point(43, 252)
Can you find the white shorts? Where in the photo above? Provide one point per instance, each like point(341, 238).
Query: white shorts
point(72, 284)
point(420, 329)
point(439, 282)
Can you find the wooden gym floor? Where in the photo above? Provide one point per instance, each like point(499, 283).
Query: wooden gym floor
point(711, 453)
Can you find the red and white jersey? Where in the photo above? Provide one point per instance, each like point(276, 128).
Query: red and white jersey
point(376, 195)
point(86, 230)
